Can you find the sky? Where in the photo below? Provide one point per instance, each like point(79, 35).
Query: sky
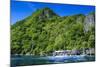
point(21, 10)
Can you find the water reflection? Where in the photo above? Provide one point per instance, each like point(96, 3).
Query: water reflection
point(32, 60)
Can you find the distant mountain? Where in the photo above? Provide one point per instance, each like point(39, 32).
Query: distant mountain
point(45, 31)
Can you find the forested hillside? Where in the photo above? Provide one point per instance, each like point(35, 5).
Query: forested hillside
point(45, 31)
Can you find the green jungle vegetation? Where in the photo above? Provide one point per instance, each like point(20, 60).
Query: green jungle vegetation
point(44, 32)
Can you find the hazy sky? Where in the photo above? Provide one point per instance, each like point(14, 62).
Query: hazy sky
point(20, 10)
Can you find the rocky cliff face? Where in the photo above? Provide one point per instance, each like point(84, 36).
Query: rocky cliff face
point(89, 22)
point(45, 14)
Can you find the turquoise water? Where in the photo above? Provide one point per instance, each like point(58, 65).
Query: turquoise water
point(31, 60)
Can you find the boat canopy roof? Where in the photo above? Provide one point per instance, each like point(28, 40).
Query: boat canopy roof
point(62, 50)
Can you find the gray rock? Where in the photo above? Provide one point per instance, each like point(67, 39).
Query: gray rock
point(89, 22)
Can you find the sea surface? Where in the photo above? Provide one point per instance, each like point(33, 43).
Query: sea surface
point(33, 60)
